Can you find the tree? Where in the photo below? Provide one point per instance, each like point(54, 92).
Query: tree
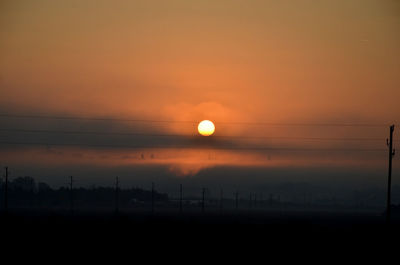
point(24, 184)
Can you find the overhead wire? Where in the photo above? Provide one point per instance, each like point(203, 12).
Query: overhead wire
point(125, 146)
point(16, 130)
point(194, 122)
point(186, 135)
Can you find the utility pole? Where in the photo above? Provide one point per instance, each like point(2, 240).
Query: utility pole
point(6, 191)
point(180, 198)
point(116, 195)
point(152, 198)
point(71, 195)
point(202, 202)
point(391, 154)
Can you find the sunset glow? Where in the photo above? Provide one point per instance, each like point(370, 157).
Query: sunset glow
point(116, 89)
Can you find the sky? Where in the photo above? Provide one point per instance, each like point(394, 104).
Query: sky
point(255, 68)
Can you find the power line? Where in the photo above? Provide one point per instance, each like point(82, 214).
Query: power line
point(215, 147)
point(190, 135)
point(195, 122)
point(91, 118)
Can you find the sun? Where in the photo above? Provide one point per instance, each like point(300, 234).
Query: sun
point(206, 128)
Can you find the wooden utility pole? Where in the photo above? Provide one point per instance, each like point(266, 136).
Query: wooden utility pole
point(202, 201)
point(116, 195)
point(152, 198)
point(71, 194)
point(180, 198)
point(6, 191)
point(391, 154)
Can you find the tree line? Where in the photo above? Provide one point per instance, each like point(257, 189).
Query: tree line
point(25, 192)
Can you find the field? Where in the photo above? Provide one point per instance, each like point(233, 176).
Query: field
point(145, 238)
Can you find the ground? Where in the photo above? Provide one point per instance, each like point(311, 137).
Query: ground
point(145, 238)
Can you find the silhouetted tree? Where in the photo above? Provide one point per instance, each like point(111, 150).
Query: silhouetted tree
point(23, 184)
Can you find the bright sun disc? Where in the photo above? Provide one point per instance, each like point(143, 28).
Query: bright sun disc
point(206, 128)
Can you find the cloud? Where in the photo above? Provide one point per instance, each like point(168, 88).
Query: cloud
point(177, 145)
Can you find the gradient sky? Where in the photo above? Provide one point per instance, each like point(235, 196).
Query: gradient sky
point(229, 61)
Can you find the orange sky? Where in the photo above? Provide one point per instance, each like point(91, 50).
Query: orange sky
point(254, 61)
point(267, 60)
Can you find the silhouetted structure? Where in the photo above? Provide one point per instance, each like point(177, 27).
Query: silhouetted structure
point(24, 193)
point(391, 154)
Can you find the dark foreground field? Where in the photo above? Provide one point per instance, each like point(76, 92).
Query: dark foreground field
point(248, 237)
